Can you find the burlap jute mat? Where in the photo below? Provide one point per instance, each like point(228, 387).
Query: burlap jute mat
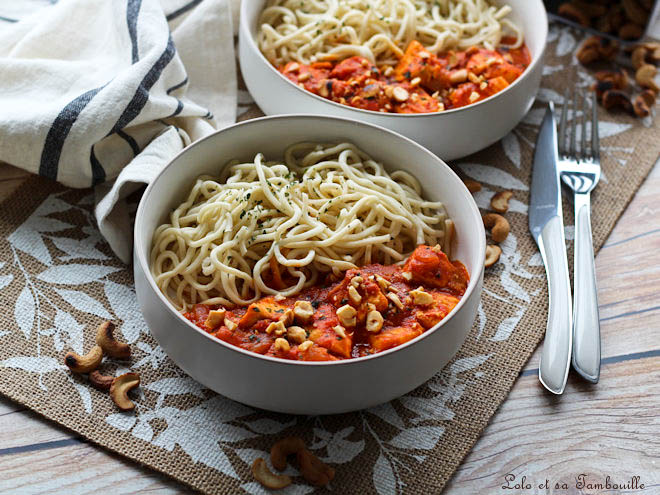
point(58, 280)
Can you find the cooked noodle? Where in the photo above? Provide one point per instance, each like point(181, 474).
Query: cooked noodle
point(379, 30)
point(325, 209)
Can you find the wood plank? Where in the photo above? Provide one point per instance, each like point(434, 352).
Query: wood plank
point(19, 428)
point(608, 430)
point(8, 406)
point(80, 469)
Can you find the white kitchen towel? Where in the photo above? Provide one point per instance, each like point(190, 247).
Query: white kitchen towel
point(105, 92)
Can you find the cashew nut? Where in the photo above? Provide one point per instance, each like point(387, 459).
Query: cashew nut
point(374, 320)
point(303, 311)
point(119, 390)
point(645, 76)
point(574, 13)
point(268, 479)
point(638, 57)
point(400, 94)
point(653, 51)
point(296, 334)
point(99, 381)
point(282, 345)
point(276, 327)
point(500, 201)
point(283, 448)
point(421, 297)
point(106, 339)
point(619, 78)
point(313, 469)
point(354, 295)
point(498, 225)
point(631, 31)
point(472, 185)
point(84, 364)
point(648, 96)
point(340, 331)
point(642, 108)
point(617, 99)
point(305, 345)
point(492, 255)
point(588, 51)
point(347, 315)
point(395, 299)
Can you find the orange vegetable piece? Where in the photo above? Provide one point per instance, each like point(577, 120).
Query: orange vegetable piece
point(393, 337)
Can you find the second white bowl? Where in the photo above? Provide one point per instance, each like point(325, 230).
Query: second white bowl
point(450, 135)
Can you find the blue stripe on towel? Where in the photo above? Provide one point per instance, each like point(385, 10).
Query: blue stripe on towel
point(183, 10)
point(177, 86)
point(58, 132)
point(132, 12)
point(179, 103)
point(130, 140)
point(179, 107)
point(141, 95)
point(98, 174)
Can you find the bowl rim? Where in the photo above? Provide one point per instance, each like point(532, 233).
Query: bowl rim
point(536, 60)
point(143, 262)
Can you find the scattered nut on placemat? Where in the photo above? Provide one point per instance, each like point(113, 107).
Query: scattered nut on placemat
point(615, 88)
point(498, 225)
point(106, 344)
point(315, 471)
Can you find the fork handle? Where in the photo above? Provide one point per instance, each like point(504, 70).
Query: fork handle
point(586, 322)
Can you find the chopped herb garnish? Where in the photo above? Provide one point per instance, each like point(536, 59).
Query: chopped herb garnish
point(255, 309)
point(316, 304)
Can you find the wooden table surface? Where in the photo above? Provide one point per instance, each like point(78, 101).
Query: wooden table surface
point(612, 428)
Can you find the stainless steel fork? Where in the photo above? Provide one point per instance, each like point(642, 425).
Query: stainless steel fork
point(579, 167)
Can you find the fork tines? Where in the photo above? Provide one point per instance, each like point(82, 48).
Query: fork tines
point(570, 149)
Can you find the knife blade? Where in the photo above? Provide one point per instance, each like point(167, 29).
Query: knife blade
point(547, 227)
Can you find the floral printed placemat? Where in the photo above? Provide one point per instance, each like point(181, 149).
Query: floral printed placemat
point(59, 280)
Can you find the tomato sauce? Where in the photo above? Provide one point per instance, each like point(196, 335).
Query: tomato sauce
point(421, 82)
point(371, 309)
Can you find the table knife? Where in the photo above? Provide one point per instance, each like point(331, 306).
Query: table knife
point(547, 227)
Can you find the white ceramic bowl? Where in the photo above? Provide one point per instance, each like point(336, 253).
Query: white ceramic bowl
point(450, 135)
point(295, 386)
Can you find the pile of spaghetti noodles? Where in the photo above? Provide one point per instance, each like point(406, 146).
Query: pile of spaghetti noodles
point(307, 31)
point(276, 227)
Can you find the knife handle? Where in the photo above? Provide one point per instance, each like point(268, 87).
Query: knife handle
point(556, 354)
point(586, 324)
